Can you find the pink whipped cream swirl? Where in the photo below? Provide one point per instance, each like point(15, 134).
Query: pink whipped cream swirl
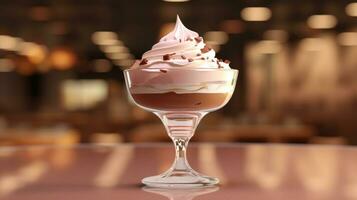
point(181, 48)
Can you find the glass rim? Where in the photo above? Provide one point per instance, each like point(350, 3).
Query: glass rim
point(180, 69)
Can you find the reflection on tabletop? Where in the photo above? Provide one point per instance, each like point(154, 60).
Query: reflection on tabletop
point(181, 194)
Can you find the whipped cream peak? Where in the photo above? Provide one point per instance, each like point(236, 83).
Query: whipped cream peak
point(181, 48)
point(179, 33)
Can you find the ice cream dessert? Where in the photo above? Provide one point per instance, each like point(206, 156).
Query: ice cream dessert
point(180, 80)
point(181, 72)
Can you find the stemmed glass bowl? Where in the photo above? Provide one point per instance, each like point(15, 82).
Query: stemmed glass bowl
point(180, 98)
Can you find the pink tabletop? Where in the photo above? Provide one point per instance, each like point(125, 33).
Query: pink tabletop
point(247, 172)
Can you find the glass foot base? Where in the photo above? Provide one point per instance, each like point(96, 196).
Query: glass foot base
point(179, 179)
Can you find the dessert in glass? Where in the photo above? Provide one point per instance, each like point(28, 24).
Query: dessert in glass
point(180, 81)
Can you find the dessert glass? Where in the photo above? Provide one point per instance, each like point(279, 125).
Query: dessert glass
point(180, 98)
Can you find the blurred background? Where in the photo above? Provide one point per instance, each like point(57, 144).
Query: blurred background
point(61, 65)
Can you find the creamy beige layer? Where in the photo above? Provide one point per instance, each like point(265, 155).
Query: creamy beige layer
point(180, 89)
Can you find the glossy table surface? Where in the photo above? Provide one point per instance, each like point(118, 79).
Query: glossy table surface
point(252, 171)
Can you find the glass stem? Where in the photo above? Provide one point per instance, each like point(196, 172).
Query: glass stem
point(180, 127)
point(180, 158)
